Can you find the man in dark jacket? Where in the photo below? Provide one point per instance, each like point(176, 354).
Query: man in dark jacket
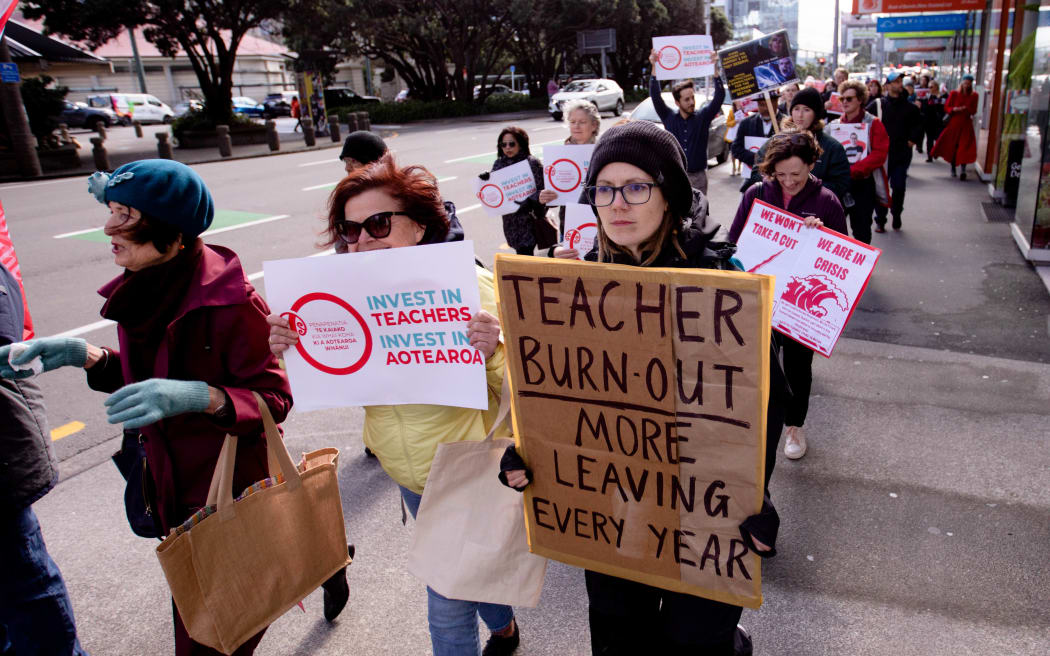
point(36, 616)
point(904, 125)
point(756, 125)
point(690, 127)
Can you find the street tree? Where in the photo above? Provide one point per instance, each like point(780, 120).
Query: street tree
point(208, 32)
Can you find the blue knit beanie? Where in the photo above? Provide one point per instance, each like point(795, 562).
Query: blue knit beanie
point(163, 189)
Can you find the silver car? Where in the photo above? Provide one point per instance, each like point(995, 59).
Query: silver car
point(717, 146)
point(606, 95)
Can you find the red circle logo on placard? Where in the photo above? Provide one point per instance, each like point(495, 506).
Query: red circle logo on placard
point(566, 177)
point(491, 195)
point(670, 57)
point(575, 236)
point(303, 328)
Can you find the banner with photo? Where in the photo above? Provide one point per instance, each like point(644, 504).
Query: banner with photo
point(755, 67)
point(853, 137)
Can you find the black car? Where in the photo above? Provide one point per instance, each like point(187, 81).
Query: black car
point(278, 104)
point(79, 115)
point(342, 96)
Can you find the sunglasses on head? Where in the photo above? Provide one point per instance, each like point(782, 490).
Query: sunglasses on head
point(377, 225)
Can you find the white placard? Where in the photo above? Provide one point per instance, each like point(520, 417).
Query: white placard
point(505, 188)
point(853, 137)
point(820, 274)
point(381, 327)
point(566, 171)
point(681, 57)
point(753, 144)
point(581, 228)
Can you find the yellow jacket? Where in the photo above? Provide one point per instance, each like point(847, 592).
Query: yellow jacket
point(405, 437)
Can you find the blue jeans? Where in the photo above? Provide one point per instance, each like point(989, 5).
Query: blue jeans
point(453, 622)
point(36, 616)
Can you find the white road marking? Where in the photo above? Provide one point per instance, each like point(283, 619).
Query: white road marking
point(451, 177)
point(323, 161)
point(559, 126)
point(83, 330)
point(327, 184)
point(469, 208)
point(39, 184)
point(76, 232)
point(248, 224)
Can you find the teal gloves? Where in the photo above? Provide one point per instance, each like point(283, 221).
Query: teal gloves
point(54, 352)
point(149, 401)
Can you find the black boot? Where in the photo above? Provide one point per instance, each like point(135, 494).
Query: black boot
point(337, 590)
point(742, 645)
point(962, 175)
point(503, 645)
point(953, 170)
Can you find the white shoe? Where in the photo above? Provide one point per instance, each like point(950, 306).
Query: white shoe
point(794, 442)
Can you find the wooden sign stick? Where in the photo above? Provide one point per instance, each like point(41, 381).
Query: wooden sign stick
point(772, 112)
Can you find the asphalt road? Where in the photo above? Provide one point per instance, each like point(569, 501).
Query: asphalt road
point(918, 523)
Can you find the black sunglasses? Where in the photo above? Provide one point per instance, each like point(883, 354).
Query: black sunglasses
point(377, 225)
point(508, 144)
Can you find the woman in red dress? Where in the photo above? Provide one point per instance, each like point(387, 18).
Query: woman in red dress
point(957, 144)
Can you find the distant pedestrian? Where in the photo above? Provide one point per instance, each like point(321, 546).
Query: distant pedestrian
point(932, 110)
point(862, 172)
point(759, 124)
point(787, 94)
point(689, 125)
point(874, 90)
point(838, 77)
point(36, 615)
point(193, 348)
point(297, 113)
point(904, 126)
point(957, 144)
point(512, 147)
point(552, 87)
point(361, 147)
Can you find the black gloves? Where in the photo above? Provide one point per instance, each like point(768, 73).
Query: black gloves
point(510, 462)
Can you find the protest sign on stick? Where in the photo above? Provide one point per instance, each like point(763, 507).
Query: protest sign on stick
point(682, 57)
point(381, 327)
point(566, 171)
point(581, 228)
point(756, 66)
point(505, 188)
point(639, 403)
point(853, 137)
point(752, 144)
point(820, 274)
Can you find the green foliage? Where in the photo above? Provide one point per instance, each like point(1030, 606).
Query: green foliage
point(201, 121)
point(419, 110)
point(42, 105)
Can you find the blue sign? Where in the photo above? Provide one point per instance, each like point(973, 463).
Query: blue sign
point(9, 72)
point(512, 69)
point(927, 23)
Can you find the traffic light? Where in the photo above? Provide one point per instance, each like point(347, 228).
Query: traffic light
point(822, 60)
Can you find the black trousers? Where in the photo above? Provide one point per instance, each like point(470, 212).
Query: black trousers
point(798, 368)
point(864, 201)
point(898, 174)
point(628, 619)
point(932, 128)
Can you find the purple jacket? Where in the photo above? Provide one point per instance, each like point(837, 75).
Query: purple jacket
point(813, 200)
point(219, 335)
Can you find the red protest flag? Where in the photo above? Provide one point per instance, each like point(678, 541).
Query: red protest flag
point(10, 262)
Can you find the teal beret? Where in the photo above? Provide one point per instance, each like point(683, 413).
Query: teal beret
point(162, 189)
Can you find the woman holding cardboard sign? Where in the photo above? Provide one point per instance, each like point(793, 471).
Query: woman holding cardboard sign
point(788, 164)
point(384, 206)
point(639, 190)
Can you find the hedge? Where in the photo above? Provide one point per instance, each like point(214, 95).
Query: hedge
point(417, 110)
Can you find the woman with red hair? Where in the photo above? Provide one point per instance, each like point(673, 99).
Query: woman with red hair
point(384, 206)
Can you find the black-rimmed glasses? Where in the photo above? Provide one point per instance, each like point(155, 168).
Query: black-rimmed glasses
point(377, 225)
point(634, 193)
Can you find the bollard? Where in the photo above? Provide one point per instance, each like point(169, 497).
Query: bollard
point(333, 127)
point(63, 131)
point(98, 151)
point(138, 128)
point(222, 133)
point(308, 131)
point(351, 121)
point(101, 129)
point(272, 140)
point(164, 146)
point(364, 122)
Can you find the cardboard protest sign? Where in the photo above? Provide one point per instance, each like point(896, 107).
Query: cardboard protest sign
point(820, 274)
point(853, 137)
point(757, 66)
point(681, 57)
point(567, 171)
point(381, 327)
point(581, 228)
point(505, 188)
point(639, 404)
point(10, 261)
point(753, 144)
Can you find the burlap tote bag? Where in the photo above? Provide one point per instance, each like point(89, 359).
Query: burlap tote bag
point(469, 541)
point(234, 571)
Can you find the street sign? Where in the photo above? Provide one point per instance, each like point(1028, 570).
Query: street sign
point(936, 34)
point(927, 23)
point(512, 69)
point(9, 72)
point(904, 6)
point(594, 42)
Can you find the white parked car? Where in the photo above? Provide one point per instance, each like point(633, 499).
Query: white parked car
point(606, 95)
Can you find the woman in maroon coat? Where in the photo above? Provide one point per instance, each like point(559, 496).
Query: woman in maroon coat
point(193, 345)
point(957, 145)
point(790, 185)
